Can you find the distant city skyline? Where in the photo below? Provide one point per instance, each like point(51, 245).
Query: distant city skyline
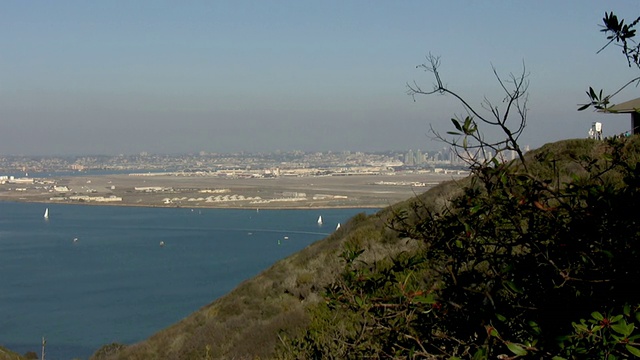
point(161, 77)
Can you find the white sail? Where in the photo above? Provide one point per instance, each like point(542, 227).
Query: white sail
point(320, 220)
point(46, 213)
point(338, 227)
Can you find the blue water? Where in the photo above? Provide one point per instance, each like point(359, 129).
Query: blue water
point(115, 283)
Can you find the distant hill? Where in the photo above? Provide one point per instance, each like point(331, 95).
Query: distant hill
point(256, 318)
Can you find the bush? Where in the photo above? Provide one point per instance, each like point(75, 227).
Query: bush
point(509, 268)
point(107, 351)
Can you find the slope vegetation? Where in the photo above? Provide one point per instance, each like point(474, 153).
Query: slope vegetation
point(6, 354)
point(327, 300)
point(251, 321)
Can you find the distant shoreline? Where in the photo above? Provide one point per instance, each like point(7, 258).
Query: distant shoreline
point(48, 202)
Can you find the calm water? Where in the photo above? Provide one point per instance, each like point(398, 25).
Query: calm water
point(115, 283)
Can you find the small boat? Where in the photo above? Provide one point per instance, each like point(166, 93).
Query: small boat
point(286, 238)
point(338, 226)
point(320, 220)
point(46, 213)
point(161, 243)
point(75, 240)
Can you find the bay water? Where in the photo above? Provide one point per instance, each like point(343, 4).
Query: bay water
point(92, 275)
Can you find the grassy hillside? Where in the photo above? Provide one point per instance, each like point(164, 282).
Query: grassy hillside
point(257, 319)
point(249, 321)
point(6, 354)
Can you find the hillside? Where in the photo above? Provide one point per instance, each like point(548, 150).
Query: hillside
point(6, 354)
point(246, 322)
point(260, 317)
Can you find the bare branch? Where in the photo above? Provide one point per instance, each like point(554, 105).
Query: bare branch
point(473, 143)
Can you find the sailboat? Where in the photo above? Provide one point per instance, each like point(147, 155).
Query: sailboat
point(338, 227)
point(46, 213)
point(320, 220)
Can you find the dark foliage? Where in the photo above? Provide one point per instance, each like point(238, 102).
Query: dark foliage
point(506, 269)
point(533, 258)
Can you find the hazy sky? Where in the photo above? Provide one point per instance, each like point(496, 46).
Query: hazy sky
point(110, 77)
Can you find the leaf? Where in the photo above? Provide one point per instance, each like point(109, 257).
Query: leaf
point(468, 128)
point(491, 331)
point(517, 349)
point(622, 328)
point(428, 299)
point(616, 318)
point(583, 107)
point(630, 329)
point(534, 326)
point(456, 123)
point(580, 327)
point(596, 315)
point(633, 350)
point(513, 287)
point(481, 354)
point(475, 209)
point(610, 256)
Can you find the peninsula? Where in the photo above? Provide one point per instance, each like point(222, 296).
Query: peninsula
point(198, 190)
point(242, 180)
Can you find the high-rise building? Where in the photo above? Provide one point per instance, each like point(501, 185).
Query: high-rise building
point(419, 157)
point(409, 159)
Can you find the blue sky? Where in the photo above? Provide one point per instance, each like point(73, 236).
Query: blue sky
point(111, 77)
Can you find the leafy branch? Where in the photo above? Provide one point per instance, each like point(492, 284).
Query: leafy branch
point(622, 35)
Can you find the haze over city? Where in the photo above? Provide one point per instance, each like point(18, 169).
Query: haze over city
point(165, 77)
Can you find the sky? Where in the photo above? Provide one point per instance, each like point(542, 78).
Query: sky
point(172, 77)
